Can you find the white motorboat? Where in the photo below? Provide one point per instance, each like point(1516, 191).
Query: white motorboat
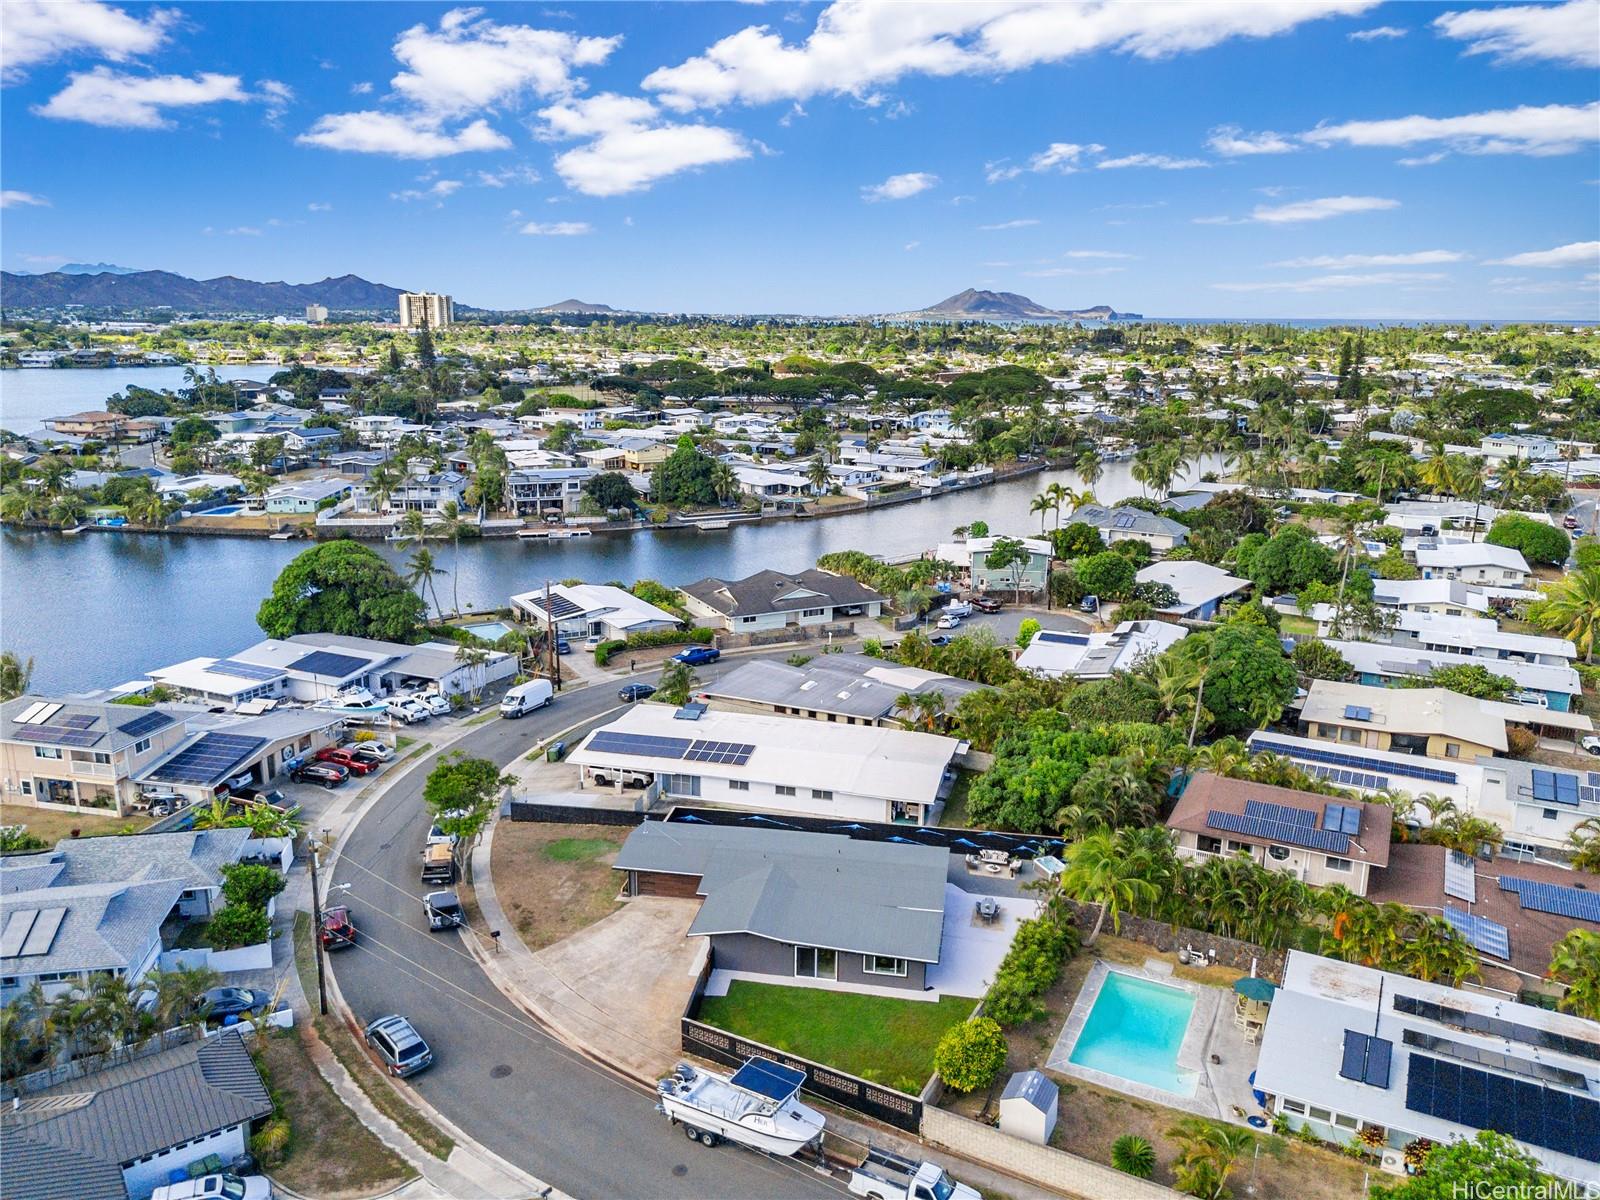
point(756, 1106)
point(354, 702)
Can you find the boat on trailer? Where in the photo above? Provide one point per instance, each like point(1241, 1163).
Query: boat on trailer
point(756, 1106)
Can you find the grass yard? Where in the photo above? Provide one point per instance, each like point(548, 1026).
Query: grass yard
point(53, 825)
point(954, 815)
point(331, 1154)
point(553, 880)
point(1294, 624)
point(878, 1038)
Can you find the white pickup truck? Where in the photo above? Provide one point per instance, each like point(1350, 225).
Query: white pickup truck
point(886, 1176)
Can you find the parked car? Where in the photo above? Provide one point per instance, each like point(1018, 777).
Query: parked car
point(1591, 745)
point(1089, 604)
point(439, 863)
point(338, 930)
point(399, 1045)
point(160, 804)
point(438, 837)
point(631, 692)
point(372, 748)
point(362, 754)
point(939, 639)
point(986, 604)
point(593, 641)
point(259, 795)
point(329, 775)
point(563, 646)
point(222, 1186)
point(437, 703)
point(404, 708)
point(1569, 522)
point(348, 759)
point(949, 621)
point(606, 776)
point(443, 910)
point(233, 1001)
point(695, 656)
point(526, 697)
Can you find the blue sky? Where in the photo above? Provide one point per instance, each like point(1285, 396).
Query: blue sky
point(1210, 157)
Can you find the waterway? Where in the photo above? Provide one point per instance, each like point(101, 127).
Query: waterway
point(95, 609)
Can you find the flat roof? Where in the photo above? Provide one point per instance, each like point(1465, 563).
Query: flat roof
point(1419, 711)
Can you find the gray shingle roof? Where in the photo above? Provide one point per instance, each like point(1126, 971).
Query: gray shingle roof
point(841, 685)
point(1133, 520)
point(770, 591)
point(195, 858)
point(107, 925)
point(70, 1141)
point(810, 889)
point(106, 720)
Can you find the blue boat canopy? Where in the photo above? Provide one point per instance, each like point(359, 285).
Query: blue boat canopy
point(767, 1078)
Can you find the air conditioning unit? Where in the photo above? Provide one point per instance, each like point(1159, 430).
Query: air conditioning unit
point(1394, 1162)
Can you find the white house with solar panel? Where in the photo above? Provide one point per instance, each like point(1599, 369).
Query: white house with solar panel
point(775, 764)
point(63, 754)
point(1347, 1047)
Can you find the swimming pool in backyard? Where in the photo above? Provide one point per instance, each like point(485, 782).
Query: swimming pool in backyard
point(489, 631)
point(1134, 1031)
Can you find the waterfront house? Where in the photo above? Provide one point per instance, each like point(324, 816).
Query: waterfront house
point(1434, 722)
point(849, 689)
point(100, 426)
point(972, 553)
point(306, 496)
point(1347, 1047)
point(552, 491)
point(582, 610)
point(421, 491)
point(1053, 653)
point(775, 764)
point(1316, 839)
point(65, 754)
point(119, 1132)
point(1132, 524)
point(1473, 562)
point(1201, 587)
point(772, 600)
point(800, 909)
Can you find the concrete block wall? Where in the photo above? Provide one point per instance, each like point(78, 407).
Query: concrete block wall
point(1055, 1169)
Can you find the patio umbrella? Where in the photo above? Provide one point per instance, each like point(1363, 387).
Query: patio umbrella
point(1252, 988)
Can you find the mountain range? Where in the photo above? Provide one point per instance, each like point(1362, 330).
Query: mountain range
point(140, 290)
point(576, 306)
point(976, 305)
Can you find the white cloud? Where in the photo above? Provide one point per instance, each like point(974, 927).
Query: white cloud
point(440, 189)
point(470, 63)
point(1019, 223)
point(899, 187)
point(858, 46)
point(1061, 157)
point(315, 206)
point(1322, 283)
point(401, 136)
point(1423, 160)
point(1415, 258)
point(1320, 209)
point(1097, 254)
point(912, 245)
point(1059, 272)
point(1573, 254)
point(1378, 33)
point(1550, 129)
point(111, 99)
point(37, 31)
point(276, 97)
point(506, 175)
point(243, 231)
point(15, 199)
point(1560, 33)
point(557, 228)
point(1233, 142)
point(631, 146)
point(361, 89)
point(1161, 162)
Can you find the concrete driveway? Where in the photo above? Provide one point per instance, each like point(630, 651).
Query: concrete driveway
point(1005, 623)
point(970, 949)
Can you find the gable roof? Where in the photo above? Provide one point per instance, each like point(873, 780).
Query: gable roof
point(194, 857)
point(773, 591)
point(105, 927)
point(813, 889)
point(1207, 793)
point(848, 684)
point(97, 728)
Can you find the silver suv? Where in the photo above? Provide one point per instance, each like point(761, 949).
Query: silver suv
point(399, 1045)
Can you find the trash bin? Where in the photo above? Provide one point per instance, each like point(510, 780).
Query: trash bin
point(555, 751)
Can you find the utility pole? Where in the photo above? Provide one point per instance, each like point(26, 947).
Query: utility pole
point(316, 932)
point(552, 638)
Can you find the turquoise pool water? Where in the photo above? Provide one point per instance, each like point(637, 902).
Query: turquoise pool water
point(489, 631)
point(1134, 1030)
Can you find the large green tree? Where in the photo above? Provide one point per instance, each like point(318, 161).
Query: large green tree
point(341, 587)
point(1539, 542)
point(1490, 1164)
point(685, 477)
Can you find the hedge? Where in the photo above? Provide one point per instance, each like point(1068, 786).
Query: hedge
point(700, 635)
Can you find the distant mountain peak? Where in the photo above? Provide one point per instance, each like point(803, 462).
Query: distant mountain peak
point(575, 306)
point(980, 305)
point(118, 289)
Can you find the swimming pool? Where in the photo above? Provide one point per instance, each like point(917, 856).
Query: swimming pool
point(1134, 1030)
point(489, 631)
point(227, 510)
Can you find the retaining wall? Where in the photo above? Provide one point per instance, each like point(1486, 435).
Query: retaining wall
point(1162, 936)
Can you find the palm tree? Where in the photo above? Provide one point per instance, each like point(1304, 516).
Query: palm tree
point(147, 508)
point(817, 474)
point(51, 471)
point(1209, 1152)
point(1099, 873)
point(178, 992)
point(1088, 466)
point(451, 524)
point(1571, 608)
point(724, 482)
point(1040, 505)
point(1575, 962)
point(678, 681)
point(421, 571)
point(1585, 842)
point(216, 815)
point(1433, 951)
point(382, 482)
point(1059, 494)
point(1435, 472)
point(20, 503)
point(473, 658)
point(68, 510)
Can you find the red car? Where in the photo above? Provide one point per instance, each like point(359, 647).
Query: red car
point(346, 759)
point(338, 930)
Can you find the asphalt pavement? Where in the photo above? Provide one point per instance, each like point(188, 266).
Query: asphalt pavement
point(497, 1075)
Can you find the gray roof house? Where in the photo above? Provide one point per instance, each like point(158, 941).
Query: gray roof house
point(118, 1132)
point(1124, 523)
point(784, 905)
point(851, 688)
point(194, 858)
point(57, 936)
point(773, 600)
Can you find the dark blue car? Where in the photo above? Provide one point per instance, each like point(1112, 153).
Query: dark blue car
point(694, 656)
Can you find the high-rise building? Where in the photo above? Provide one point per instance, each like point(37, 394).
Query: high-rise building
point(316, 313)
point(414, 306)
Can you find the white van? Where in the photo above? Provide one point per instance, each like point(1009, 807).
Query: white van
point(526, 697)
point(216, 1187)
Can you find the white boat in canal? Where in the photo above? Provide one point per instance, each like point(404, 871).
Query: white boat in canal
point(756, 1106)
point(353, 702)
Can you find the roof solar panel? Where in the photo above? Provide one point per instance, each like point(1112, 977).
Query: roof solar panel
point(1566, 788)
point(43, 934)
point(1554, 899)
point(34, 713)
point(1460, 877)
point(56, 735)
point(1339, 758)
point(1341, 818)
point(1279, 812)
point(29, 713)
point(1484, 934)
point(328, 664)
point(148, 723)
point(642, 745)
point(242, 670)
point(208, 760)
point(19, 923)
point(1544, 785)
point(1366, 1059)
point(1483, 1057)
point(732, 753)
point(1278, 831)
point(1511, 1031)
point(1542, 1116)
point(77, 722)
point(1357, 712)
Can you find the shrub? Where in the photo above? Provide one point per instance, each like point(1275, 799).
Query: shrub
point(16, 838)
point(1538, 542)
point(1025, 632)
point(1520, 742)
point(271, 1143)
point(238, 925)
point(699, 635)
point(250, 884)
point(1029, 968)
point(971, 1054)
point(1132, 1155)
point(604, 651)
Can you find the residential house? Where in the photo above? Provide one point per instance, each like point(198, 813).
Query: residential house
point(101, 426)
point(972, 554)
point(552, 491)
point(311, 441)
point(1201, 587)
point(1433, 722)
point(802, 909)
point(1501, 448)
point(61, 937)
point(1122, 524)
point(775, 764)
point(1380, 664)
point(849, 689)
point(67, 754)
point(421, 491)
point(1447, 597)
point(120, 1132)
point(1347, 1047)
point(1316, 839)
point(306, 496)
point(773, 600)
point(435, 666)
point(582, 610)
point(1054, 653)
point(1474, 562)
point(227, 750)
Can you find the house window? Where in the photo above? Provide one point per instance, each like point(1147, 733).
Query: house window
point(815, 962)
point(46, 752)
point(813, 612)
point(747, 620)
point(1337, 864)
point(1321, 1114)
point(1346, 1122)
point(1549, 814)
point(1277, 853)
point(27, 787)
point(1293, 1106)
point(1349, 735)
point(1208, 843)
point(784, 790)
point(738, 785)
point(878, 964)
point(141, 745)
point(305, 743)
point(821, 794)
point(681, 785)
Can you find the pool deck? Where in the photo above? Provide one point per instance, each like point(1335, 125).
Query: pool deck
point(1219, 1087)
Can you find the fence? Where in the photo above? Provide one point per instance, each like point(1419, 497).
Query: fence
point(1230, 952)
point(570, 814)
point(957, 841)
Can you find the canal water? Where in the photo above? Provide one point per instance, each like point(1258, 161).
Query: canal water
point(96, 609)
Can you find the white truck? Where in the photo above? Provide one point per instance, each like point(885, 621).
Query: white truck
point(525, 697)
point(888, 1176)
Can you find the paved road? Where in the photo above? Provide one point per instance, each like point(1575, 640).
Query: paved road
point(512, 1087)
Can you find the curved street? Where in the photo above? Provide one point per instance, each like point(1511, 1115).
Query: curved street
point(514, 1088)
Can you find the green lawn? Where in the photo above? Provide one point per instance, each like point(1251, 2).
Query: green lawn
point(578, 849)
point(955, 815)
point(887, 1041)
point(1304, 626)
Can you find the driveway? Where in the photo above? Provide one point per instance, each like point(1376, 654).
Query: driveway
point(970, 950)
point(1005, 623)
